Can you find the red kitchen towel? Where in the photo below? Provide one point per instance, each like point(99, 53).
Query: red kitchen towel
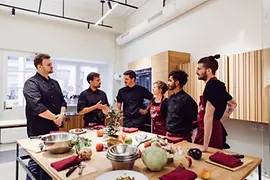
point(225, 159)
point(173, 139)
point(179, 174)
point(130, 130)
point(66, 163)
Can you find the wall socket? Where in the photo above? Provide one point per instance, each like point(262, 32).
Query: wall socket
point(265, 173)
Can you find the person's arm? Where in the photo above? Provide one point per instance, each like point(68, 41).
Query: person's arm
point(119, 100)
point(164, 108)
point(208, 124)
point(231, 105)
point(82, 103)
point(147, 109)
point(61, 115)
point(32, 96)
point(147, 94)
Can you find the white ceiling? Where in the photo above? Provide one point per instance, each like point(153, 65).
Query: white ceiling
point(91, 5)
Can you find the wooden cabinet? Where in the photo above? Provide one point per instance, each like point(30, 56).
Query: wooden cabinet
point(162, 64)
point(72, 122)
point(165, 62)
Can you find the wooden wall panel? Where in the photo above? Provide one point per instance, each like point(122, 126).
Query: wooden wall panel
point(266, 85)
point(245, 85)
point(140, 64)
point(160, 67)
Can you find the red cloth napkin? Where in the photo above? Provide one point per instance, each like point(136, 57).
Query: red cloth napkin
point(173, 139)
point(66, 163)
point(179, 174)
point(225, 159)
point(130, 130)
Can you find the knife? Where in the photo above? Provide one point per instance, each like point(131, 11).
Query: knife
point(71, 170)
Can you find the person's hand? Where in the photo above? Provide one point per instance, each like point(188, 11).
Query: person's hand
point(204, 149)
point(105, 109)
point(59, 119)
point(99, 105)
point(143, 111)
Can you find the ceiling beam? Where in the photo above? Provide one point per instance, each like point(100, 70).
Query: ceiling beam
point(124, 4)
point(53, 15)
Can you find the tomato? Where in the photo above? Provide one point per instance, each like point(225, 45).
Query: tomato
point(147, 144)
point(100, 133)
point(99, 147)
point(123, 136)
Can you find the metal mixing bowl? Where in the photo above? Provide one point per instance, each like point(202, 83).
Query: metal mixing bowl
point(122, 156)
point(57, 143)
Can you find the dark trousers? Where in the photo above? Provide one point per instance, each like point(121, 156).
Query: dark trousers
point(134, 122)
point(37, 171)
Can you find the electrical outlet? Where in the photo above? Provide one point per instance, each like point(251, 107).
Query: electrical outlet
point(265, 173)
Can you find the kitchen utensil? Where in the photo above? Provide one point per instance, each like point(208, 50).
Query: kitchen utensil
point(81, 166)
point(122, 156)
point(71, 170)
point(58, 143)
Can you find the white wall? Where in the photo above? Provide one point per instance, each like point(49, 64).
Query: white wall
point(59, 39)
point(224, 26)
point(218, 26)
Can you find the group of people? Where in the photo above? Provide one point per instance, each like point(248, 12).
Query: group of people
point(175, 116)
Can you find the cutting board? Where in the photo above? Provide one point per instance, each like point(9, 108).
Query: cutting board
point(245, 160)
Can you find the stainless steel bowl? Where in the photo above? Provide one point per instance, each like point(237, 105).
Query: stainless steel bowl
point(123, 150)
point(58, 143)
point(122, 156)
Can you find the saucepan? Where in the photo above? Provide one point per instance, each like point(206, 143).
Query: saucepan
point(57, 143)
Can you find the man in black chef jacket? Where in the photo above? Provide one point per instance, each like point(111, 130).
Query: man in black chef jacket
point(182, 109)
point(132, 97)
point(45, 105)
point(92, 101)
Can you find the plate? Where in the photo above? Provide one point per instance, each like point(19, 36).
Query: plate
point(75, 131)
point(113, 175)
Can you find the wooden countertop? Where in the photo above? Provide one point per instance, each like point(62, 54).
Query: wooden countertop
point(100, 164)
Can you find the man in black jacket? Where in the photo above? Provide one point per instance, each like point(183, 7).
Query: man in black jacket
point(182, 109)
point(45, 105)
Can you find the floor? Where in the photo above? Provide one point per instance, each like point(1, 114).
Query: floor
point(8, 165)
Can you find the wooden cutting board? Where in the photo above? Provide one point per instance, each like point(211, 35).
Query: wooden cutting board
point(245, 160)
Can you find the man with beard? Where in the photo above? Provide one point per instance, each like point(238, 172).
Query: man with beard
point(132, 97)
point(45, 105)
point(216, 104)
point(92, 102)
point(182, 109)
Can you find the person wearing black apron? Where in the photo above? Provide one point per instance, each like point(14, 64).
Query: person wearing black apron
point(158, 108)
point(45, 106)
point(216, 104)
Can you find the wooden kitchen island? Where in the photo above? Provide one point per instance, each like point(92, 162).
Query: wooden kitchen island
point(99, 164)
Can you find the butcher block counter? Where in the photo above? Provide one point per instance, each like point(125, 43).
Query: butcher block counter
point(99, 164)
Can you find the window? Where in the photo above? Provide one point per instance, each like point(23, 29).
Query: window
point(17, 73)
point(71, 76)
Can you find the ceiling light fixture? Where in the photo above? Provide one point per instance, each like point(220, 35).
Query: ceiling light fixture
point(109, 4)
point(103, 17)
point(39, 7)
point(13, 11)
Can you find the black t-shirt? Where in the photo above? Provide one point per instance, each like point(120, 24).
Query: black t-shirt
point(90, 98)
point(163, 108)
point(132, 99)
point(216, 93)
